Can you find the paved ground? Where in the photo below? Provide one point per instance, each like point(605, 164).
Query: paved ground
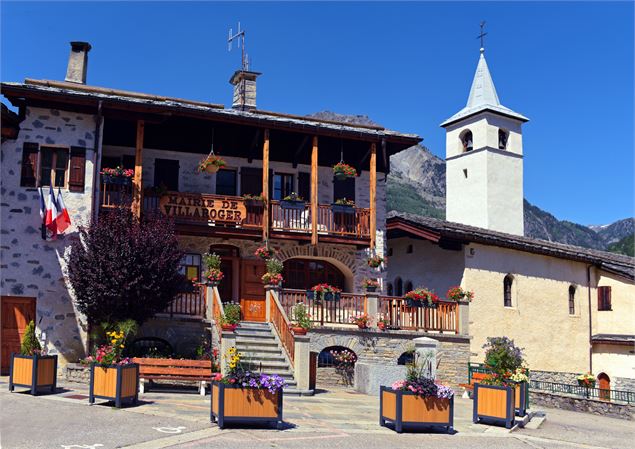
point(340, 419)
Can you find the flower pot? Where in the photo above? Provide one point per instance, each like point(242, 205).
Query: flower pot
point(340, 176)
point(330, 296)
point(382, 326)
point(235, 404)
point(342, 209)
point(255, 203)
point(114, 382)
point(362, 326)
point(292, 205)
point(413, 302)
point(211, 168)
point(34, 372)
point(120, 180)
point(494, 404)
point(405, 409)
point(229, 327)
point(587, 384)
point(371, 289)
point(298, 330)
point(310, 294)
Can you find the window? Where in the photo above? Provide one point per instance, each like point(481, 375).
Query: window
point(409, 249)
point(604, 298)
point(282, 185)
point(507, 290)
point(251, 181)
point(53, 165)
point(305, 273)
point(398, 287)
point(408, 287)
point(226, 182)
point(29, 165)
point(389, 290)
point(191, 266)
point(304, 185)
point(466, 140)
point(503, 136)
point(571, 300)
point(344, 189)
point(45, 166)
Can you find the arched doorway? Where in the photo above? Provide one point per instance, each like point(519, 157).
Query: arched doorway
point(336, 367)
point(305, 273)
point(604, 384)
point(230, 266)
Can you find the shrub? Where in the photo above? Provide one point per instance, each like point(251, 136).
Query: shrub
point(301, 317)
point(231, 314)
point(502, 356)
point(274, 266)
point(124, 268)
point(212, 261)
point(30, 345)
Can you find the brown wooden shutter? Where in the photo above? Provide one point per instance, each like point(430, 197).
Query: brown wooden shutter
point(604, 298)
point(28, 176)
point(77, 173)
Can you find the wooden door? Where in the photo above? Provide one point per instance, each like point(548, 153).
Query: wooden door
point(604, 384)
point(15, 314)
point(252, 292)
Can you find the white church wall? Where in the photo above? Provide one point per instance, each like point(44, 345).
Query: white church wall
point(615, 361)
point(466, 189)
point(513, 127)
point(622, 305)
point(505, 209)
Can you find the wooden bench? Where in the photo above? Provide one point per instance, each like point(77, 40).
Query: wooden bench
point(476, 377)
point(174, 369)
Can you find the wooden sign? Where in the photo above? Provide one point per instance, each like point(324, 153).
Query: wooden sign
point(202, 207)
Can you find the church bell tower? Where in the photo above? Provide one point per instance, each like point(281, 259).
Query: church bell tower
point(484, 160)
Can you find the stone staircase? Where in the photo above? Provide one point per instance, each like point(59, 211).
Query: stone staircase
point(259, 345)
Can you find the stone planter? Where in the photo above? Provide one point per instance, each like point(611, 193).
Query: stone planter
point(34, 372)
point(232, 404)
point(406, 409)
point(115, 383)
point(494, 404)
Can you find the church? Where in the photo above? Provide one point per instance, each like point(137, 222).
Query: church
point(570, 308)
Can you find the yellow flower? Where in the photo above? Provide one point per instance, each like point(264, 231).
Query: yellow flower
point(121, 346)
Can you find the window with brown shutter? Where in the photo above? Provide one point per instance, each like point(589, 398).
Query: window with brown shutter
point(604, 298)
point(28, 176)
point(77, 170)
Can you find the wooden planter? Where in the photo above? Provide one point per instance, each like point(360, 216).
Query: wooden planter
point(292, 205)
point(494, 404)
point(520, 398)
point(34, 372)
point(235, 404)
point(407, 409)
point(342, 209)
point(115, 383)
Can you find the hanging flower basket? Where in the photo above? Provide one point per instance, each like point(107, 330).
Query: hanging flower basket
point(375, 261)
point(343, 171)
point(211, 164)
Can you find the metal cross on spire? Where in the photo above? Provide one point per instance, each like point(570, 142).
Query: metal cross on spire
point(482, 36)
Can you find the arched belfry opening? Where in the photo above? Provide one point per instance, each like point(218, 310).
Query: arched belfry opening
point(467, 141)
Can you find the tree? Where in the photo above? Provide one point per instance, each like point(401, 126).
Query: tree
point(30, 344)
point(124, 268)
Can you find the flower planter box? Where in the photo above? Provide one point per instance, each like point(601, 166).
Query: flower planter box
point(342, 209)
point(34, 372)
point(292, 205)
point(115, 383)
point(310, 295)
point(413, 303)
point(232, 404)
point(520, 398)
point(494, 404)
point(256, 204)
point(587, 384)
point(370, 289)
point(332, 296)
point(120, 180)
point(407, 409)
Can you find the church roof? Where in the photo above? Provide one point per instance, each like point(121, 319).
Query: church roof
point(483, 96)
point(449, 231)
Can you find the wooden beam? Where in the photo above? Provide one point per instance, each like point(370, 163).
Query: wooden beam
point(314, 192)
point(305, 140)
point(373, 194)
point(265, 187)
point(137, 180)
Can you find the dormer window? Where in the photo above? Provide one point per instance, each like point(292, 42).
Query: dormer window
point(503, 136)
point(466, 140)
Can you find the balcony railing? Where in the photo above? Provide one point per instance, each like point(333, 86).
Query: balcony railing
point(337, 311)
point(442, 318)
point(235, 212)
point(189, 304)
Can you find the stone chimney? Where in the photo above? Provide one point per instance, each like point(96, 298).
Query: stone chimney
point(244, 83)
point(78, 63)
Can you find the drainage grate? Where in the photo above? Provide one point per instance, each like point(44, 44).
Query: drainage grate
point(76, 396)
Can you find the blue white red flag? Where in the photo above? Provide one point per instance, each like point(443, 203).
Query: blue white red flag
point(63, 220)
point(51, 214)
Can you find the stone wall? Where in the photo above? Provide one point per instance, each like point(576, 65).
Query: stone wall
point(76, 372)
point(554, 376)
point(184, 335)
point(30, 266)
point(623, 383)
point(577, 404)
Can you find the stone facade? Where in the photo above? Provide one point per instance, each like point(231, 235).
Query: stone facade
point(32, 267)
point(577, 404)
point(184, 335)
point(76, 372)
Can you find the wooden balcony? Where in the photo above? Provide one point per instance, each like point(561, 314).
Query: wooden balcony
point(233, 216)
point(188, 305)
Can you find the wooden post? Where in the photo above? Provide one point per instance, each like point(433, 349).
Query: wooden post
point(265, 187)
point(137, 185)
point(314, 192)
point(373, 194)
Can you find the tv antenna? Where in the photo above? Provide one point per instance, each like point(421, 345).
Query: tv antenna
point(239, 37)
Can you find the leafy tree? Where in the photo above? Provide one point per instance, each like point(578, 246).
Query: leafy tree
point(502, 355)
point(123, 268)
point(30, 344)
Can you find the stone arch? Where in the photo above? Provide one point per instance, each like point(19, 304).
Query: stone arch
point(466, 140)
point(345, 262)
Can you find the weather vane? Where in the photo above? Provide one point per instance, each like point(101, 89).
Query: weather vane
point(240, 37)
point(482, 36)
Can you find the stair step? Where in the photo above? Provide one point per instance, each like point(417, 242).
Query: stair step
point(264, 358)
point(254, 336)
point(256, 342)
point(251, 325)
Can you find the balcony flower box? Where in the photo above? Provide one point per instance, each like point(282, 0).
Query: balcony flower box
point(114, 382)
point(292, 205)
point(405, 409)
point(343, 208)
point(494, 404)
point(34, 372)
point(119, 180)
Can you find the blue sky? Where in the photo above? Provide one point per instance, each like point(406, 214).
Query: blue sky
point(567, 66)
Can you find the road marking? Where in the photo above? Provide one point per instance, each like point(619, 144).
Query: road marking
point(82, 446)
point(179, 429)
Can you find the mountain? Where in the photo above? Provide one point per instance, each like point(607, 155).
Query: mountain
point(625, 246)
point(416, 184)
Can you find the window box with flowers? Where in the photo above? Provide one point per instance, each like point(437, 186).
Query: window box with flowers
point(112, 376)
point(245, 397)
point(375, 261)
point(586, 380)
point(457, 294)
point(118, 175)
point(32, 368)
point(300, 319)
point(211, 164)
point(292, 202)
point(342, 171)
point(370, 285)
point(255, 201)
point(343, 206)
point(421, 297)
point(324, 292)
point(416, 402)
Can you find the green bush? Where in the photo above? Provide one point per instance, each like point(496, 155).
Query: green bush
point(231, 314)
point(212, 261)
point(30, 344)
point(274, 266)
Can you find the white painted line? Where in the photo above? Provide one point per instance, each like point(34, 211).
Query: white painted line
point(179, 429)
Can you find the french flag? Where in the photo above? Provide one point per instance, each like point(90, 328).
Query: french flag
point(63, 220)
point(51, 214)
point(43, 212)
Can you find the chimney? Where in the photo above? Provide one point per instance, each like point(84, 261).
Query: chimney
point(78, 63)
point(244, 83)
